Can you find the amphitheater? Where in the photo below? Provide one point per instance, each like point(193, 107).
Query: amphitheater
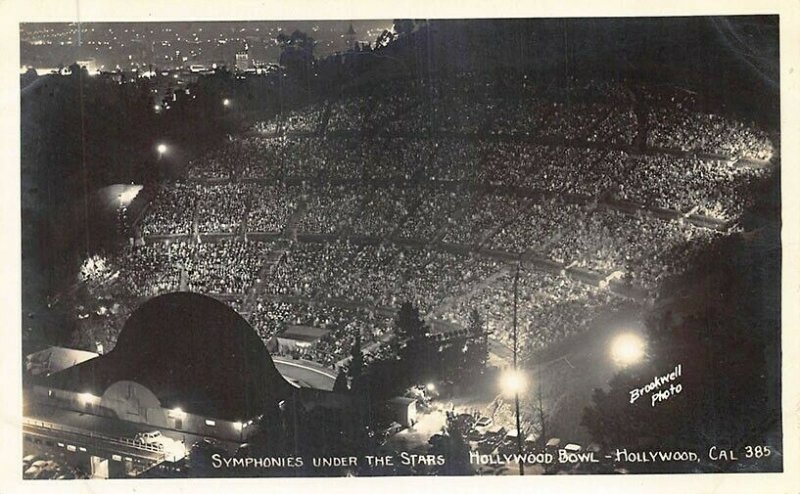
point(435, 192)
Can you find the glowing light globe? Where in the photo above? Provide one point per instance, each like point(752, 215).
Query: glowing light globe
point(627, 349)
point(512, 382)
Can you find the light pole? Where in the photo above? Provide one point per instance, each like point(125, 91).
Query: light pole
point(162, 149)
point(517, 380)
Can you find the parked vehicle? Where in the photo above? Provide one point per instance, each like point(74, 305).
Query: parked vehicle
point(484, 422)
point(152, 437)
point(474, 434)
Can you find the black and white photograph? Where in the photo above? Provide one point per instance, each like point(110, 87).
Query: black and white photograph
point(400, 247)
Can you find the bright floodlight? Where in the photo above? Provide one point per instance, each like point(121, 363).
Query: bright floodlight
point(512, 382)
point(430, 387)
point(162, 148)
point(129, 194)
point(87, 397)
point(226, 102)
point(627, 349)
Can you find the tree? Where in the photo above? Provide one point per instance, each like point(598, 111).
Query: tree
point(408, 324)
point(356, 366)
point(273, 345)
point(477, 349)
point(297, 53)
point(340, 384)
point(455, 450)
point(535, 416)
point(415, 349)
point(30, 76)
point(403, 27)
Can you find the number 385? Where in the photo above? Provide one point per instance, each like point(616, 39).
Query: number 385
point(757, 451)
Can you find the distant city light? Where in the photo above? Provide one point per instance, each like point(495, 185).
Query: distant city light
point(627, 349)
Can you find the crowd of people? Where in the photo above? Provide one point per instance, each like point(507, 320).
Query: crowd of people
point(270, 208)
point(447, 169)
point(381, 275)
point(154, 268)
point(229, 266)
point(487, 213)
point(712, 187)
point(382, 211)
point(331, 209)
point(540, 224)
point(717, 189)
point(171, 212)
point(467, 104)
point(379, 110)
point(645, 250)
point(246, 156)
point(434, 209)
point(306, 120)
point(678, 126)
point(221, 208)
point(550, 308)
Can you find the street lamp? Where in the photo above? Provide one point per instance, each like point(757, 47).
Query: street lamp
point(226, 102)
point(512, 382)
point(161, 148)
point(515, 381)
point(238, 426)
point(628, 349)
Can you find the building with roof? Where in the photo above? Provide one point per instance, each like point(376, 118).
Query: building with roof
point(243, 59)
point(303, 337)
point(183, 362)
point(403, 410)
point(55, 359)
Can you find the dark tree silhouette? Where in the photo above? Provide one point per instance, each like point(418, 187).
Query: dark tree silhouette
point(297, 54)
point(455, 450)
point(408, 324)
point(477, 347)
point(340, 384)
point(356, 365)
point(30, 75)
point(403, 27)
